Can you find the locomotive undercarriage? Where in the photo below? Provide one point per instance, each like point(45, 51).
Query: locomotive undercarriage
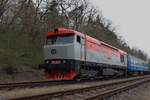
point(76, 70)
point(97, 71)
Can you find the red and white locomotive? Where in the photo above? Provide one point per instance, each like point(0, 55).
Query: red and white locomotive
point(73, 55)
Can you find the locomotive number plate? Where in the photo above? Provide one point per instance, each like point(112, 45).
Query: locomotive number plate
point(56, 62)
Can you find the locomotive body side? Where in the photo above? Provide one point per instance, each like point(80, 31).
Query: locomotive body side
point(108, 59)
point(101, 52)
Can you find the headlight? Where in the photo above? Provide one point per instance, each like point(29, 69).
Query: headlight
point(47, 62)
point(64, 61)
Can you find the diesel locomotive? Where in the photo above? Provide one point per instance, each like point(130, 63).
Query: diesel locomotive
point(71, 55)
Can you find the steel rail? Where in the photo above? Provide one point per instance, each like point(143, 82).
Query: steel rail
point(33, 84)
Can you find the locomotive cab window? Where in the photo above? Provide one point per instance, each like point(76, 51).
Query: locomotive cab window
point(60, 40)
point(78, 39)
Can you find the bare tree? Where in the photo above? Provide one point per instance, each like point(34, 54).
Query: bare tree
point(3, 4)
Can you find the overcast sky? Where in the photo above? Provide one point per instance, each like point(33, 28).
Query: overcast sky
point(132, 19)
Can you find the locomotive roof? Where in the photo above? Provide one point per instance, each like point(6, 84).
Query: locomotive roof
point(64, 31)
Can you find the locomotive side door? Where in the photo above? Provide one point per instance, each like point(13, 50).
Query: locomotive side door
point(81, 42)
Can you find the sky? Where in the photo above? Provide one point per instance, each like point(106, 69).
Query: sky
point(131, 19)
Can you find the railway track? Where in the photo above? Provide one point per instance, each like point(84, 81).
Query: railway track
point(19, 85)
point(10, 86)
point(97, 92)
point(31, 84)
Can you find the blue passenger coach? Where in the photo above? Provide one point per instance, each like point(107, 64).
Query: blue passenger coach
point(137, 65)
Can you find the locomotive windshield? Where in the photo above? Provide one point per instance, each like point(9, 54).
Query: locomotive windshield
point(60, 40)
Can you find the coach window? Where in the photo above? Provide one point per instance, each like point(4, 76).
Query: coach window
point(78, 39)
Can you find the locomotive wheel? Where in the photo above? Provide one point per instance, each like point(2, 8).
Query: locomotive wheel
point(78, 79)
point(91, 78)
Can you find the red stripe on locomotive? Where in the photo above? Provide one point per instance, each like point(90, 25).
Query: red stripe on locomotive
point(58, 75)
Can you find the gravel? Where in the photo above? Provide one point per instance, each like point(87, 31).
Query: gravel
point(38, 90)
point(141, 92)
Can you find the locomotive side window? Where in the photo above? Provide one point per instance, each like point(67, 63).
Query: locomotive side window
point(78, 39)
